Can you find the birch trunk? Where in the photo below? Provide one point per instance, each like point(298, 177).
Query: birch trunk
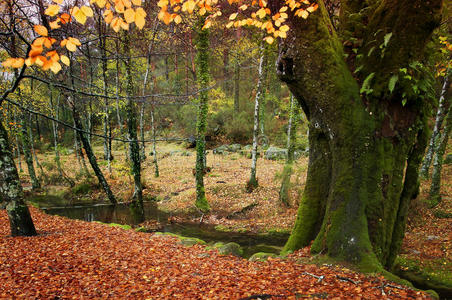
point(435, 188)
point(253, 182)
point(440, 114)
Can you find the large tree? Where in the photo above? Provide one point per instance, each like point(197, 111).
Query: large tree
point(367, 125)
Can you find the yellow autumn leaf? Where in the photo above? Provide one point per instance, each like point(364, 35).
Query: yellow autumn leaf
point(52, 10)
point(207, 24)
point(283, 9)
point(78, 14)
point(129, 15)
point(140, 16)
point(108, 16)
point(177, 19)
point(310, 9)
point(284, 28)
point(189, 6)
point(261, 13)
point(55, 24)
point(115, 24)
point(243, 7)
point(65, 60)
point(233, 16)
point(269, 39)
point(202, 11)
point(41, 30)
point(58, 1)
point(136, 2)
point(55, 67)
point(124, 25)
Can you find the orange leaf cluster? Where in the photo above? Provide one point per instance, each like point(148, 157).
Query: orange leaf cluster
point(261, 16)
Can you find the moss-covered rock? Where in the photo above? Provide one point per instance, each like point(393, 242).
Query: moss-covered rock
point(191, 241)
point(126, 227)
point(229, 249)
point(261, 256)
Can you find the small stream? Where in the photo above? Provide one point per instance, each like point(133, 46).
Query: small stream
point(121, 214)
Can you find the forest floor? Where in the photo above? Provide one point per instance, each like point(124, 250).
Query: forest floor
point(426, 249)
point(72, 259)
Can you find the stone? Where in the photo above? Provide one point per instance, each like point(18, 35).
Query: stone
point(261, 256)
point(191, 241)
point(275, 153)
point(229, 249)
point(234, 147)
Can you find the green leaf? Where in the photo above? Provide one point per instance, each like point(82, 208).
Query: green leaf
point(403, 70)
point(358, 69)
point(403, 101)
point(366, 84)
point(392, 82)
point(370, 51)
point(387, 38)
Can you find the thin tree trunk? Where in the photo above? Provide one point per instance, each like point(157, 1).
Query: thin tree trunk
point(237, 85)
point(253, 182)
point(19, 160)
point(143, 144)
point(134, 147)
point(440, 114)
point(106, 119)
point(32, 145)
point(55, 139)
point(154, 144)
point(291, 140)
point(91, 157)
point(28, 154)
point(435, 188)
point(202, 68)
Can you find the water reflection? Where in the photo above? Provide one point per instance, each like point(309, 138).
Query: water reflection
point(108, 213)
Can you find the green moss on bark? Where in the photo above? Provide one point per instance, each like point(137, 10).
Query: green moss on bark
point(202, 68)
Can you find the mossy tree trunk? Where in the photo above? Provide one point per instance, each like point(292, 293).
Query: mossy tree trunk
point(11, 194)
point(131, 107)
point(294, 116)
point(202, 68)
point(365, 146)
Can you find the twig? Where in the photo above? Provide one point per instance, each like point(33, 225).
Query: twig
point(319, 278)
point(346, 279)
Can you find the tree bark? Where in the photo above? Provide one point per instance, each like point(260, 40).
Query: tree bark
point(202, 68)
point(440, 114)
point(435, 196)
point(237, 85)
point(365, 147)
point(11, 194)
point(134, 147)
point(291, 140)
point(91, 157)
point(35, 184)
point(252, 182)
